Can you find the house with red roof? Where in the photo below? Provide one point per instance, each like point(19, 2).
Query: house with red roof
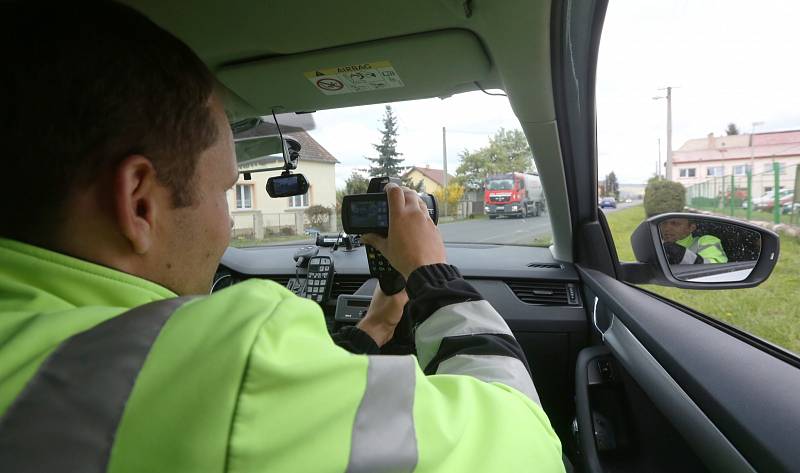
point(703, 159)
point(432, 179)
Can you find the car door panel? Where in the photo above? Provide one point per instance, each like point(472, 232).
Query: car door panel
point(718, 390)
point(619, 427)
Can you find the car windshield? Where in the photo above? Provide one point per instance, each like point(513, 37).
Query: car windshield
point(473, 136)
point(500, 184)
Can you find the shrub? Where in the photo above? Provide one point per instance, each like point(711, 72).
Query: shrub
point(318, 216)
point(287, 231)
point(454, 193)
point(662, 196)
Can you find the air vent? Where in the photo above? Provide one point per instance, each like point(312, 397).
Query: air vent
point(544, 293)
point(282, 280)
point(346, 284)
point(545, 265)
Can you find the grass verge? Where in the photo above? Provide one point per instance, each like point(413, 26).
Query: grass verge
point(770, 311)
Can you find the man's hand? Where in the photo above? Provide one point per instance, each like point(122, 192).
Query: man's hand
point(413, 239)
point(674, 252)
point(383, 315)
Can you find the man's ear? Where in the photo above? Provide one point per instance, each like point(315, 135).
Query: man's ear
point(136, 201)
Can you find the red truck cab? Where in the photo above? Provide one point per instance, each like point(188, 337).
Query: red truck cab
point(515, 194)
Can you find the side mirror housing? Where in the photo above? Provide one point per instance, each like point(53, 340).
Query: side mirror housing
point(695, 251)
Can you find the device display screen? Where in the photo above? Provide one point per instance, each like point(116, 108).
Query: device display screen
point(369, 214)
point(358, 303)
point(286, 185)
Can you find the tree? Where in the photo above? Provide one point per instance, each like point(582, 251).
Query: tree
point(409, 182)
point(388, 162)
point(611, 186)
point(454, 193)
point(356, 184)
point(508, 151)
point(732, 129)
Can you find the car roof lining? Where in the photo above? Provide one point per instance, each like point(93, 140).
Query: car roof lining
point(514, 37)
point(432, 64)
point(229, 35)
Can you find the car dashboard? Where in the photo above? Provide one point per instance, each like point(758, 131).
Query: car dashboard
point(539, 297)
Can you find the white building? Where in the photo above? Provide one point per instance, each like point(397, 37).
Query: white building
point(703, 159)
point(250, 205)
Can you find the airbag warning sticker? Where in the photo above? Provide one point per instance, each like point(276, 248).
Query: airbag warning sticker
point(355, 78)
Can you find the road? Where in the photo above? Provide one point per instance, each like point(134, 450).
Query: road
point(508, 231)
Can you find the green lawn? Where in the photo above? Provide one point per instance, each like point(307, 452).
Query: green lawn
point(770, 311)
point(755, 215)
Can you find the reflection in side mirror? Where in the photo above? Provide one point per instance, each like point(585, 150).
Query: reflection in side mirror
point(701, 252)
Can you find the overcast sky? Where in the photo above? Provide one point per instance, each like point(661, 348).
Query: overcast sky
point(730, 61)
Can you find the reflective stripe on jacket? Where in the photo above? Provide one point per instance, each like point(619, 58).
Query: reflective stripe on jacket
point(708, 247)
point(248, 379)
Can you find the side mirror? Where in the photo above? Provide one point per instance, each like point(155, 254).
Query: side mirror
point(701, 252)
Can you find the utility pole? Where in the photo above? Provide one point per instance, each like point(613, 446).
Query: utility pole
point(658, 166)
point(752, 154)
point(751, 171)
point(669, 129)
point(444, 165)
point(669, 133)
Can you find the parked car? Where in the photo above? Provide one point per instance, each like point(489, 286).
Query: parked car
point(767, 201)
point(607, 202)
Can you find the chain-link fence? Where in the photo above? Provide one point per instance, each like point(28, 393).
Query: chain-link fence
point(767, 196)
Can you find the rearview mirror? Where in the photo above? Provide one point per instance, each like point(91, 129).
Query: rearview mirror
point(248, 149)
point(701, 252)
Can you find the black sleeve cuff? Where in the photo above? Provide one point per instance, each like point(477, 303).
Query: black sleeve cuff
point(434, 286)
point(355, 340)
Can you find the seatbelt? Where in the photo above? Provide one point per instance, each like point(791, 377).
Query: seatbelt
point(66, 417)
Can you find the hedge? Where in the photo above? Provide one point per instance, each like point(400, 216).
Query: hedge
point(662, 196)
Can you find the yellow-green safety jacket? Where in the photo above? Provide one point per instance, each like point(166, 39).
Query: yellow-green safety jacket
point(244, 380)
point(708, 247)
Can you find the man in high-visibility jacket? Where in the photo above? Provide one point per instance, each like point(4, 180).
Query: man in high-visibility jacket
point(682, 247)
point(103, 368)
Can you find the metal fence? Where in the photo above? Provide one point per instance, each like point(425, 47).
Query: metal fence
point(766, 196)
point(257, 225)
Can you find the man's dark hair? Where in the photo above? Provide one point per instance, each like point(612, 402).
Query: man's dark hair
point(82, 86)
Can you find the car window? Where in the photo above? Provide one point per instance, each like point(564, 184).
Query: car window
point(489, 194)
point(722, 73)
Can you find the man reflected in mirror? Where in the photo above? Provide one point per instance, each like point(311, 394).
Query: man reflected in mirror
point(681, 246)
